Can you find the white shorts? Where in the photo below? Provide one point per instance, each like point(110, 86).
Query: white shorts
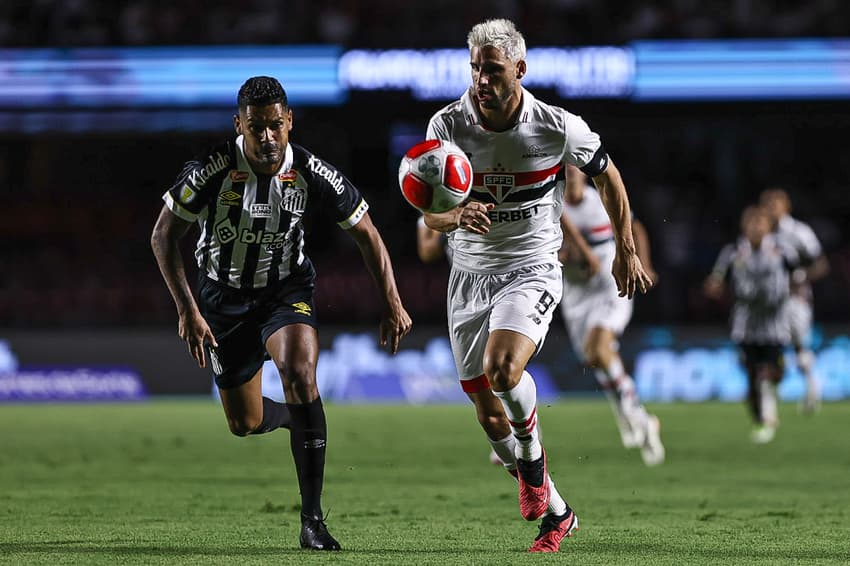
point(521, 301)
point(800, 319)
point(594, 302)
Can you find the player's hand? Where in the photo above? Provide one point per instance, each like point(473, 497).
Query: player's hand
point(713, 288)
point(195, 331)
point(629, 274)
point(592, 266)
point(395, 324)
point(473, 217)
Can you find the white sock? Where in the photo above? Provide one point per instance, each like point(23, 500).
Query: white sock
point(557, 505)
point(806, 363)
point(520, 405)
point(769, 413)
point(620, 390)
point(505, 449)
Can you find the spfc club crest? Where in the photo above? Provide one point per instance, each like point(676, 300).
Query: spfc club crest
point(500, 185)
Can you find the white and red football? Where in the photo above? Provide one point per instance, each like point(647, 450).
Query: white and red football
point(435, 176)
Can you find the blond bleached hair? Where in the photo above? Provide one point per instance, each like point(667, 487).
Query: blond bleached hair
point(501, 34)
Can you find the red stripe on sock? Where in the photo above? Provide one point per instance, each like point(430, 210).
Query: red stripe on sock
point(522, 425)
point(476, 384)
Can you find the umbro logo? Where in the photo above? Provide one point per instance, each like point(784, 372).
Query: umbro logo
point(534, 151)
point(302, 308)
point(230, 198)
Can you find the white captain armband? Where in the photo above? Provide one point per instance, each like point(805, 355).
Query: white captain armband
point(355, 216)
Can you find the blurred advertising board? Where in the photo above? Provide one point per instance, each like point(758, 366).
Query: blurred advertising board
point(668, 363)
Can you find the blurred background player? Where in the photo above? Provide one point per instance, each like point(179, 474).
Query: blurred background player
point(255, 293)
point(813, 266)
point(759, 265)
point(506, 279)
point(595, 315)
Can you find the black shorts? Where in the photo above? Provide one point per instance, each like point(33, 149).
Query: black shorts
point(243, 319)
point(754, 354)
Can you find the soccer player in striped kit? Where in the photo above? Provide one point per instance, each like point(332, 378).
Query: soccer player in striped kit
point(594, 313)
point(255, 293)
point(506, 280)
point(814, 266)
point(759, 265)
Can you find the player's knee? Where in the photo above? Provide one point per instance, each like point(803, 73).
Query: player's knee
point(495, 425)
point(592, 357)
point(244, 425)
point(502, 371)
point(595, 351)
point(299, 379)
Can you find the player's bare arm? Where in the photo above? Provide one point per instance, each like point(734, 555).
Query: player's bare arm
point(395, 322)
point(643, 251)
point(471, 216)
point(818, 270)
point(572, 237)
point(428, 244)
point(191, 326)
point(627, 270)
point(714, 287)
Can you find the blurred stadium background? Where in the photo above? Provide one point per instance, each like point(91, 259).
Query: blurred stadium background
point(701, 104)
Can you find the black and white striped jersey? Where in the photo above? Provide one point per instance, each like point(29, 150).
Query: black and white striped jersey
point(252, 232)
point(761, 285)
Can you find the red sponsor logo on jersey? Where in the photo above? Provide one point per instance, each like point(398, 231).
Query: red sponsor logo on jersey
point(288, 176)
point(237, 176)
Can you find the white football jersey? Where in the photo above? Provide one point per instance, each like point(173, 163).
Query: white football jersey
point(521, 172)
point(802, 238)
point(591, 219)
point(799, 236)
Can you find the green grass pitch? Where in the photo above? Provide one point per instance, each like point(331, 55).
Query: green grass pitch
point(163, 482)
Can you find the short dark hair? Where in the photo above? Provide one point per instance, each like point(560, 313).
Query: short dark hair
point(261, 91)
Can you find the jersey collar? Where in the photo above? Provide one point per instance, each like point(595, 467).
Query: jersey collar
point(287, 155)
point(470, 110)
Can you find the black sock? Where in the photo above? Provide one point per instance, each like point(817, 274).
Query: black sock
point(531, 472)
point(754, 396)
point(275, 415)
point(307, 439)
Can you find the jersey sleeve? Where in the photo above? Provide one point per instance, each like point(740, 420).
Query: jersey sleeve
point(723, 262)
point(437, 130)
point(810, 248)
point(198, 183)
point(791, 257)
point(583, 147)
point(336, 193)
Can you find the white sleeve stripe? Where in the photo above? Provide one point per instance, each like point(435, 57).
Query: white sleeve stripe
point(355, 216)
point(178, 210)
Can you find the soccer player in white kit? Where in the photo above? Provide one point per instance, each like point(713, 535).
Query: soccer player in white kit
point(759, 265)
point(802, 238)
point(595, 314)
point(506, 280)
